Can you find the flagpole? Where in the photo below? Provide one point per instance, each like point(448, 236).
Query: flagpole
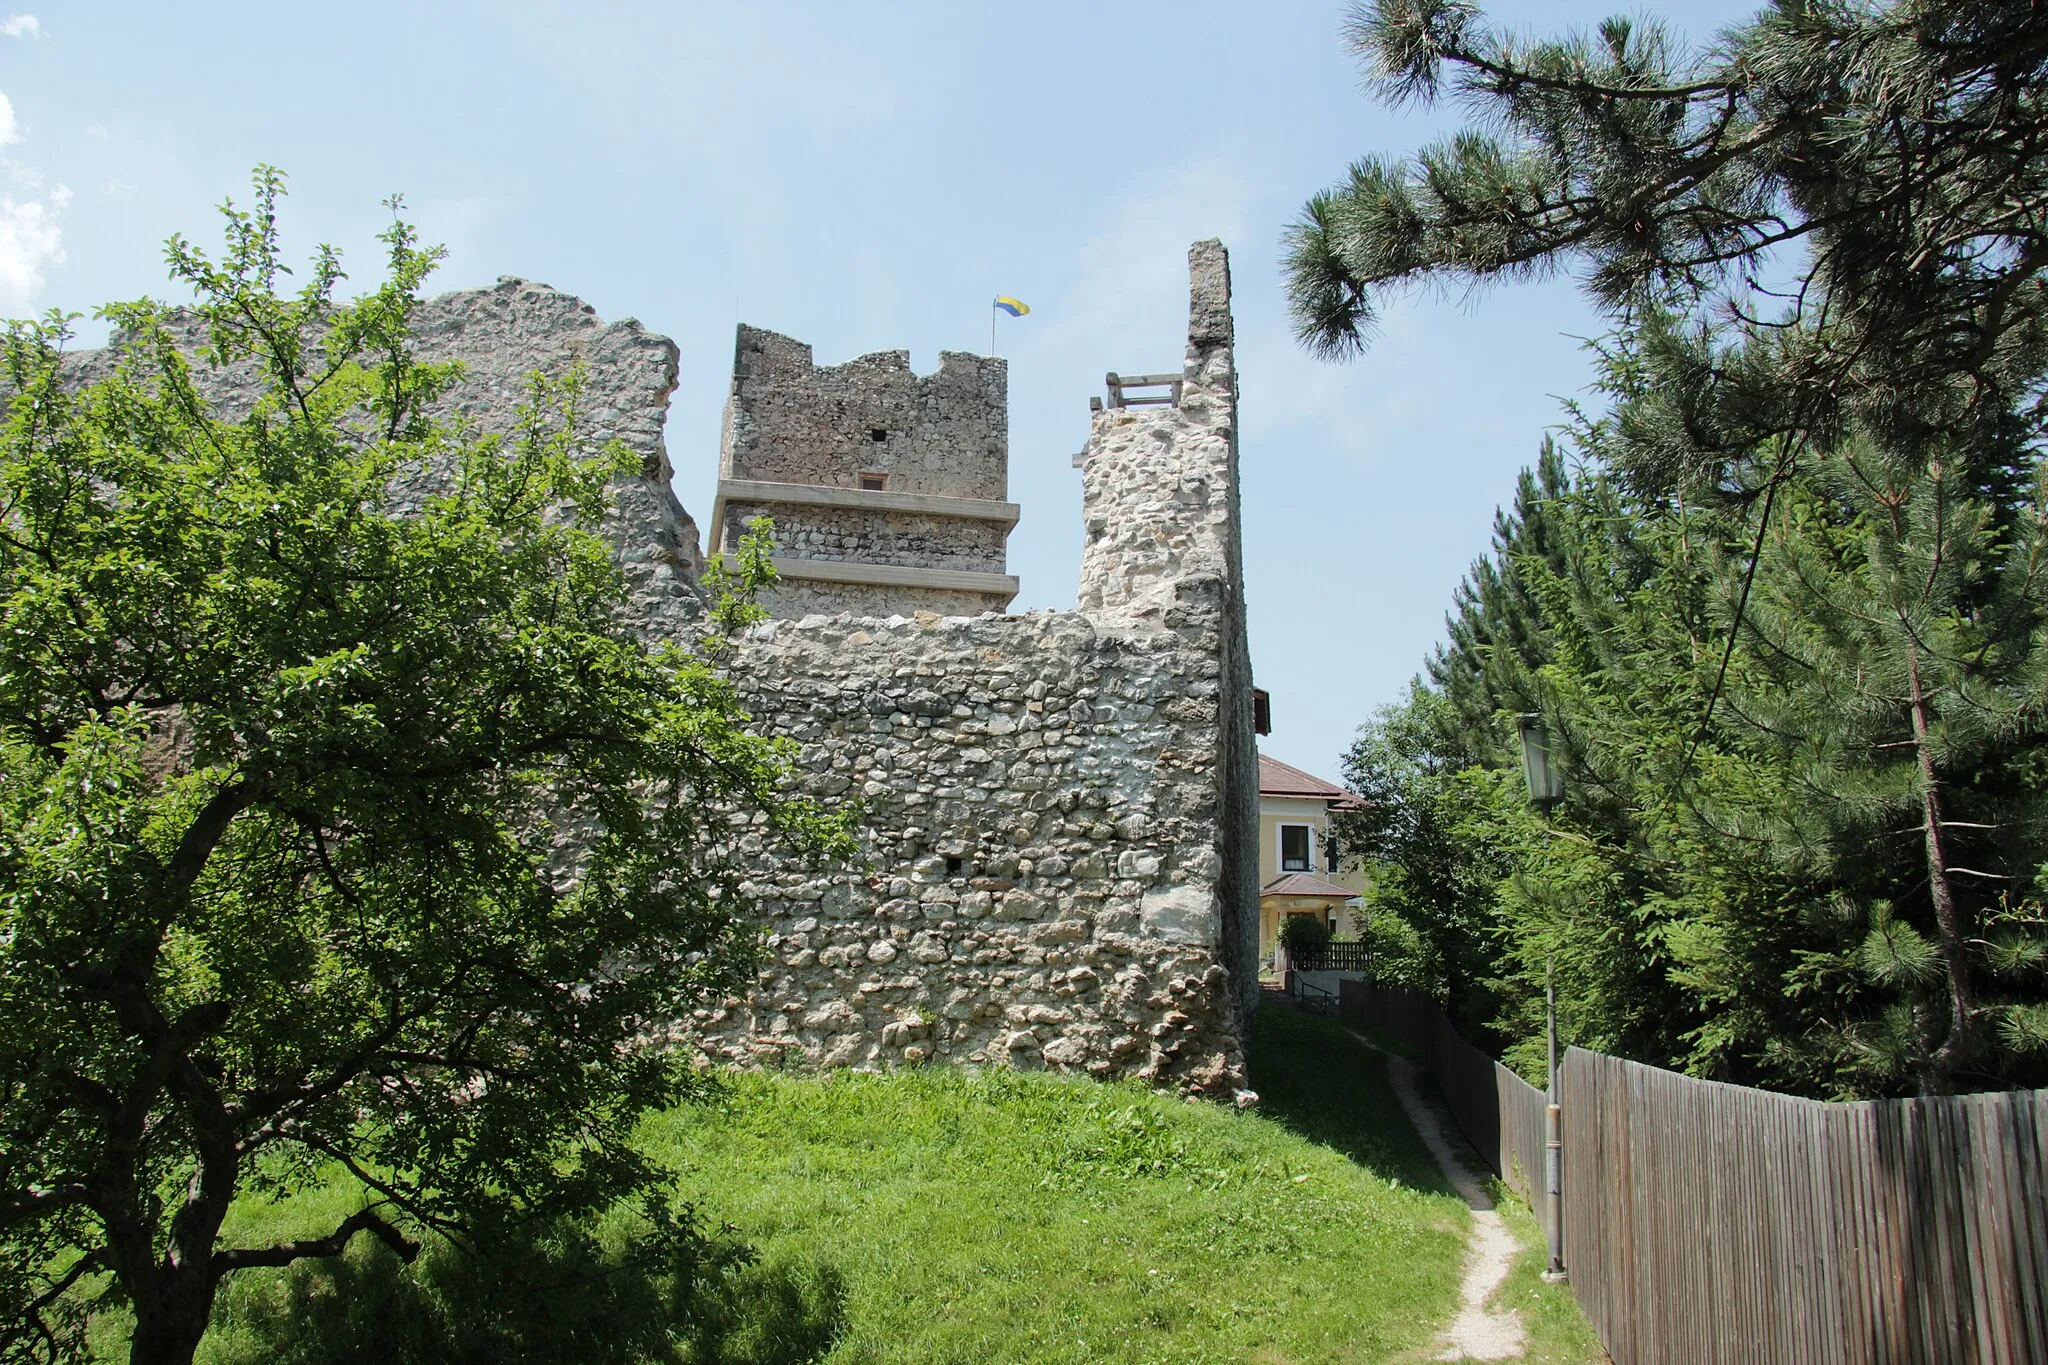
point(991, 329)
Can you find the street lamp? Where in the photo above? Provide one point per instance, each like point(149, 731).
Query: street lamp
point(1546, 782)
point(1546, 789)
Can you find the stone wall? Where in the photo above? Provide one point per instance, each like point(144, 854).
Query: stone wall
point(791, 421)
point(1040, 887)
point(796, 600)
point(874, 537)
point(1057, 809)
point(502, 335)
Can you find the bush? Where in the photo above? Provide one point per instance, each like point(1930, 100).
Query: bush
point(1304, 935)
point(1400, 956)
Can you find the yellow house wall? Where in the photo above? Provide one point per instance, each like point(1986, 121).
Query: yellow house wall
point(1277, 811)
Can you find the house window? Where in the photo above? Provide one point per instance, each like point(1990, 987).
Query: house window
point(874, 483)
point(1294, 845)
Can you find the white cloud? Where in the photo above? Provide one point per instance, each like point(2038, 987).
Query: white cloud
point(31, 236)
point(1130, 275)
point(29, 240)
point(96, 131)
point(21, 26)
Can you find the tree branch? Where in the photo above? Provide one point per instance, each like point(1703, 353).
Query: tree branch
point(407, 1250)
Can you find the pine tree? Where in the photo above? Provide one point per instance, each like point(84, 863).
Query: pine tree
point(1894, 658)
point(1901, 150)
point(1791, 618)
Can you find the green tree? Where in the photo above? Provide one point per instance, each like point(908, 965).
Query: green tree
point(284, 776)
point(1894, 663)
point(1898, 148)
point(1796, 599)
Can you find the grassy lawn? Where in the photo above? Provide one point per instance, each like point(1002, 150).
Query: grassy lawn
point(1027, 1217)
point(1033, 1218)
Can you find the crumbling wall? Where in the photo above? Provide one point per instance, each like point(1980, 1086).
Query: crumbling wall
point(798, 601)
point(868, 537)
point(1040, 839)
point(1056, 808)
point(886, 487)
point(1060, 808)
point(792, 421)
point(502, 335)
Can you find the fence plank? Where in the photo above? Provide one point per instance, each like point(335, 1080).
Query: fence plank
point(2023, 1168)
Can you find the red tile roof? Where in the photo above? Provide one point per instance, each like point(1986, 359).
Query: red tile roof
point(1282, 779)
point(1305, 884)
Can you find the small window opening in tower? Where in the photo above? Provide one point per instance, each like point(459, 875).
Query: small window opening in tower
point(952, 867)
point(874, 483)
point(877, 434)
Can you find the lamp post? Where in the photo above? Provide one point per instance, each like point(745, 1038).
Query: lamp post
point(1546, 789)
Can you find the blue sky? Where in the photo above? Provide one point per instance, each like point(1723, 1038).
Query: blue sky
point(863, 177)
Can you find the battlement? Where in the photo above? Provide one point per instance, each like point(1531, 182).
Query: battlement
point(888, 488)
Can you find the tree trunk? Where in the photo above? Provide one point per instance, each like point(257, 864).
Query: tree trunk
point(173, 1290)
point(170, 1322)
point(1955, 1049)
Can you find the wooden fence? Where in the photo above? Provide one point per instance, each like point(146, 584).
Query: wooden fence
point(1709, 1222)
point(1335, 956)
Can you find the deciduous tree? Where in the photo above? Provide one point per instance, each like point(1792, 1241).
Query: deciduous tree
point(285, 780)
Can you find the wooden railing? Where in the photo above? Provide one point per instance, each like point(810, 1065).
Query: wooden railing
point(1710, 1222)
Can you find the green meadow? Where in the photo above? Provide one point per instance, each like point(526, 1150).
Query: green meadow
point(932, 1216)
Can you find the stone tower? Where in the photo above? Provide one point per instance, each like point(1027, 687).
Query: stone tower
point(888, 489)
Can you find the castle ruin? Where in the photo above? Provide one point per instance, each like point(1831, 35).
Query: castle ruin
point(1058, 807)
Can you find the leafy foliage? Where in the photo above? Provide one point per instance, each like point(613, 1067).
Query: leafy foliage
point(1898, 147)
point(283, 762)
point(1746, 899)
point(1304, 935)
point(1783, 614)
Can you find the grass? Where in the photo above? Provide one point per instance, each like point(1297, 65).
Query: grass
point(1027, 1217)
point(1034, 1218)
point(1559, 1333)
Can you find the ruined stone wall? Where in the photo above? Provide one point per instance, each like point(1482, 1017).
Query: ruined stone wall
point(502, 335)
point(1057, 808)
point(1060, 808)
point(1163, 551)
point(791, 421)
point(860, 536)
point(1041, 846)
point(795, 599)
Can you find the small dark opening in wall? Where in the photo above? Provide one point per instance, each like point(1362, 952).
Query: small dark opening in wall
point(952, 867)
point(874, 483)
point(877, 434)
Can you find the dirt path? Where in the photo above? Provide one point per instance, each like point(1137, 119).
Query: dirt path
point(1477, 1333)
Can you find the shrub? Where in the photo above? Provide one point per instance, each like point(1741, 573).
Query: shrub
point(1304, 935)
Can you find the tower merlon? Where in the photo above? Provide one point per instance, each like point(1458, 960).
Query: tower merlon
point(888, 489)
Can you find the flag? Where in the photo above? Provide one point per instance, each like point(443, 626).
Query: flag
point(1016, 308)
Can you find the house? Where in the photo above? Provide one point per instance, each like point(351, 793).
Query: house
point(1299, 862)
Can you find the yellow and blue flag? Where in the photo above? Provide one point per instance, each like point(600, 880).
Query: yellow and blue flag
point(1016, 308)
